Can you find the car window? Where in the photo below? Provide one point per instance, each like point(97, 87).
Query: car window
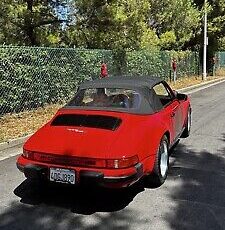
point(106, 97)
point(163, 93)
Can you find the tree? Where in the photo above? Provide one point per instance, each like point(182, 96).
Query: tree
point(110, 24)
point(31, 22)
point(216, 29)
point(175, 21)
point(222, 44)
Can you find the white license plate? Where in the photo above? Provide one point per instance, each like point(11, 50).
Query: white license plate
point(62, 175)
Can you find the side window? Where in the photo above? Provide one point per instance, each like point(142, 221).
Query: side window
point(163, 93)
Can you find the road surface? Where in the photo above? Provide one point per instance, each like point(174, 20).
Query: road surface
point(193, 197)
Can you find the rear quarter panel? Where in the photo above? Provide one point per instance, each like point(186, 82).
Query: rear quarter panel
point(140, 135)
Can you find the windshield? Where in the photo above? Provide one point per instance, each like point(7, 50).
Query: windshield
point(106, 97)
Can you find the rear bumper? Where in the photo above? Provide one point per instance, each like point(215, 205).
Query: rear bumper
point(86, 177)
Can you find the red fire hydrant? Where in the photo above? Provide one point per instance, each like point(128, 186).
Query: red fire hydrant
point(174, 67)
point(104, 71)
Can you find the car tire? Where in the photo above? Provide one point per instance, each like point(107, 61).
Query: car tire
point(161, 165)
point(187, 128)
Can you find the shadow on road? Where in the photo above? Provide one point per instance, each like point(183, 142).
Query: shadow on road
point(195, 187)
point(48, 218)
point(55, 207)
point(79, 200)
point(200, 201)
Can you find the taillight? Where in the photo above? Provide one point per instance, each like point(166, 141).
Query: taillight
point(28, 154)
point(122, 163)
point(82, 161)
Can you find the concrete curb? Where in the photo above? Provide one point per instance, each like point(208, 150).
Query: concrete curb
point(208, 83)
point(21, 140)
point(13, 142)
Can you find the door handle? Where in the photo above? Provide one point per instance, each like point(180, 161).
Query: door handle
point(172, 114)
point(175, 108)
point(174, 111)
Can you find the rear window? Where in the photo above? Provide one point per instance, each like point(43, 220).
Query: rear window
point(106, 97)
point(91, 121)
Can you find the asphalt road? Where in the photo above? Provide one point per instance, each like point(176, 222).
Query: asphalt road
point(193, 197)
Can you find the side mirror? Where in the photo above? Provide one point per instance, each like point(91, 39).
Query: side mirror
point(181, 96)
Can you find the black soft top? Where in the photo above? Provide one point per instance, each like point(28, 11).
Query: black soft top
point(122, 82)
point(150, 102)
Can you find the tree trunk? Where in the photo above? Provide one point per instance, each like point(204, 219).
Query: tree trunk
point(29, 27)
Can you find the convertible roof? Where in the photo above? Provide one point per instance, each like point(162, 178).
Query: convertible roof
point(150, 103)
point(127, 82)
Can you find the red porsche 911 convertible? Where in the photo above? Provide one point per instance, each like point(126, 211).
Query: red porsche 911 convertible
point(112, 133)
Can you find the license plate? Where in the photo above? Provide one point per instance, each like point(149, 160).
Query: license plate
point(62, 175)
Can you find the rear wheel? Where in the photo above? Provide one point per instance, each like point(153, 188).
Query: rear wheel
point(187, 128)
point(161, 165)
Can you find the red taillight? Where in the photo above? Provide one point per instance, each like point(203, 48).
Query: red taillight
point(122, 163)
point(82, 161)
point(28, 154)
point(69, 160)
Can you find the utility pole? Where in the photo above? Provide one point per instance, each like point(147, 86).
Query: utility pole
point(204, 74)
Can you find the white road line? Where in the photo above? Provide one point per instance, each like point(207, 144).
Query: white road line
point(6, 156)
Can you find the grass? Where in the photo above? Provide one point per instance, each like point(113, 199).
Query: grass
point(24, 123)
point(18, 125)
point(189, 81)
point(220, 72)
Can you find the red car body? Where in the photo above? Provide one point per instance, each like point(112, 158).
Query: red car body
point(115, 148)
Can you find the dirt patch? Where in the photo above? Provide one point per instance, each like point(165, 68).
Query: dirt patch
point(21, 124)
point(189, 81)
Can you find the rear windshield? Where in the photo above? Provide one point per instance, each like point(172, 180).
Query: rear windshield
point(106, 97)
point(92, 121)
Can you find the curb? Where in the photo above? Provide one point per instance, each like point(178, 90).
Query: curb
point(21, 140)
point(208, 83)
point(13, 142)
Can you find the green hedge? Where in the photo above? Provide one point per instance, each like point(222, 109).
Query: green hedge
point(33, 77)
point(158, 63)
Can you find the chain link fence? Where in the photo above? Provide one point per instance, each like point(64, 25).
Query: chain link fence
point(220, 60)
point(34, 77)
point(159, 63)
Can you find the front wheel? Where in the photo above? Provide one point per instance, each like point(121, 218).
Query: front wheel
point(161, 165)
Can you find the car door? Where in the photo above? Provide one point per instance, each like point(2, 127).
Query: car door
point(171, 108)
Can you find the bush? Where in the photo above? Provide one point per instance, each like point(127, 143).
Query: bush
point(33, 77)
